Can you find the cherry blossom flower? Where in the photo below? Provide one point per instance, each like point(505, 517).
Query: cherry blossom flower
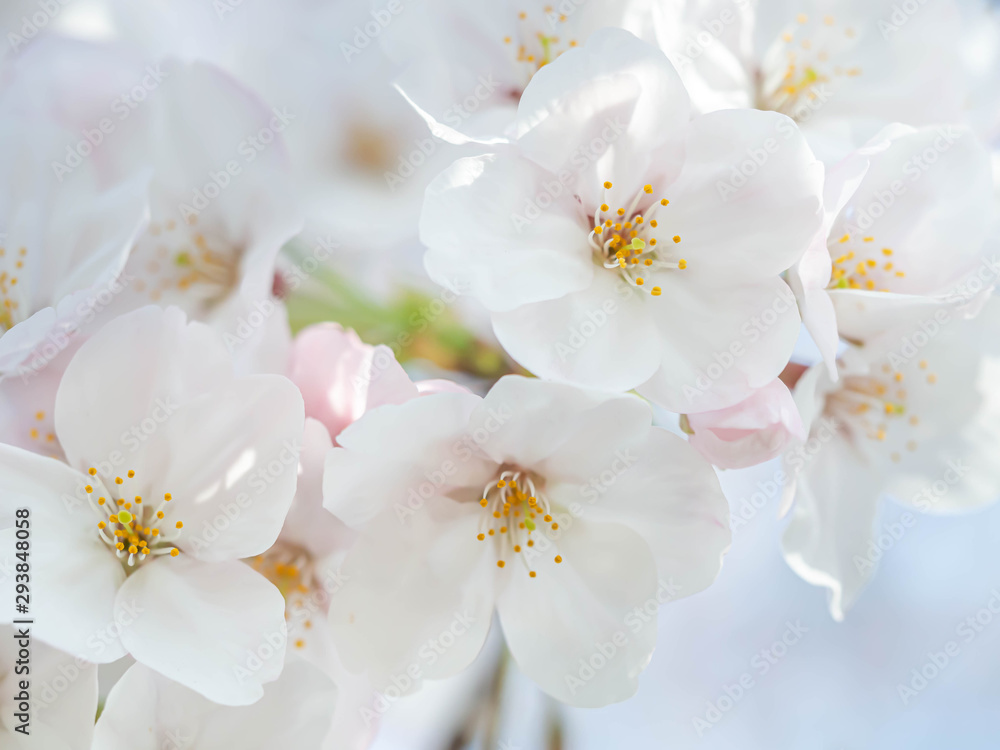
point(221, 198)
point(913, 416)
point(750, 432)
point(651, 263)
point(840, 69)
point(175, 470)
point(895, 210)
point(467, 66)
point(562, 509)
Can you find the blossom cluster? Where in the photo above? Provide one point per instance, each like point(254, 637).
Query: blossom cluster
point(659, 240)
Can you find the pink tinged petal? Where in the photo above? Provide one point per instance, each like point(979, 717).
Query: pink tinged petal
point(309, 524)
point(232, 466)
point(556, 429)
point(76, 576)
point(127, 380)
point(602, 337)
point(341, 377)
point(581, 612)
point(147, 708)
point(418, 597)
point(721, 343)
point(487, 235)
point(218, 629)
point(753, 431)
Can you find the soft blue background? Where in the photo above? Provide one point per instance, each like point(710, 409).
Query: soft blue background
point(834, 690)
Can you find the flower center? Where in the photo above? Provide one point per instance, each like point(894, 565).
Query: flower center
point(290, 568)
point(863, 266)
point(370, 150)
point(875, 407)
point(134, 529)
point(799, 67)
point(175, 258)
point(623, 240)
point(514, 511)
point(11, 284)
point(534, 49)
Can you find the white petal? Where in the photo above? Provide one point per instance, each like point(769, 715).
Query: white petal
point(418, 597)
point(146, 711)
point(218, 629)
point(603, 337)
point(557, 430)
point(660, 487)
point(76, 576)
point(578, 614)
point(489, 233)
point(127, 378)
point(721, 343)
point(826, 540)
point(231, 463)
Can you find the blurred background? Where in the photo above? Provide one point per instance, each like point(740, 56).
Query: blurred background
point(753, 662)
